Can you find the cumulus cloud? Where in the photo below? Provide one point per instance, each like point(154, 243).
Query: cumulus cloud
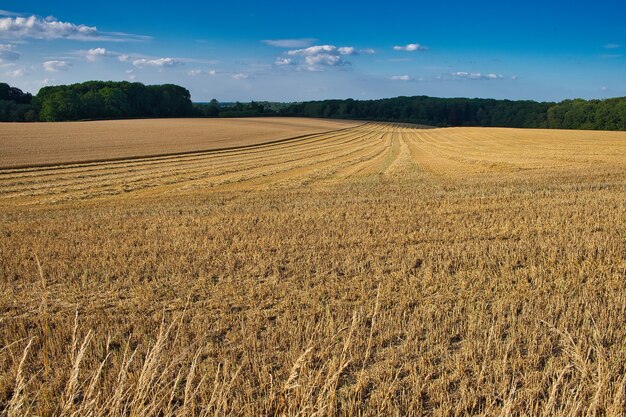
point(8, 53)
point(318, 49)
point(325, 59)
point(318, 56)
point(156, 63)
point(51, 28)
point(95, 53)
point(400, 78)
point(346, 50)
point(477, 75)
point(239, 76)
point(411, 47)
point(140, 61)
point(289, 43)
point(196, 72)
point(54, 66)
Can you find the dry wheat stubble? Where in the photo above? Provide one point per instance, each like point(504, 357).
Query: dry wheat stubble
point(380, 270)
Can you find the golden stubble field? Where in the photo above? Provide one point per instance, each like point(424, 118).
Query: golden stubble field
point(55, 143)
point(376, 270)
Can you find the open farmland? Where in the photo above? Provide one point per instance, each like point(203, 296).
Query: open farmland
point(56, 143)
point(376, 269)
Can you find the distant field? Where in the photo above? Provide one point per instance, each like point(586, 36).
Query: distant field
point(378, 270)
point(24, 144)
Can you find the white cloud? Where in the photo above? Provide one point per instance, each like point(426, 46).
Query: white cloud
point(318, 56)
point(612, 46)
point(477, 75)
point(196, 72)
point(156, 63)
point(283, 61)
point(131, 74)
point(312, 50)
point(368, 51)
point(605, 88)
point(325, 59)
point(289, 43)
point(52, 28)
point(139, 61)
point(400, 78)
point(95, 53)
point(346, 50)
point(239, 76)
point(610, 56)
point(8, 53)
point(34, 27)
point(412, 47)
point(18, 73)
point(318, 49)
point(54, 66)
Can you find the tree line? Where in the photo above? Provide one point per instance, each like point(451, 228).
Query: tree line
point(431, 111)
point(609, 114)
point(116, 100)
point(95, 100)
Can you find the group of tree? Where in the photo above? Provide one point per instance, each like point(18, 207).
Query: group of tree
point(121, 100)
point(429, 111)
point(15, 105)
point(112, 100)
point(237, 109)
point(609, 114)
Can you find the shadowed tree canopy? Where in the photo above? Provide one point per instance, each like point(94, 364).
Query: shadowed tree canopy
point(15, 105)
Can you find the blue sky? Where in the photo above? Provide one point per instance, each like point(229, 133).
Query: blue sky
point(290, 51)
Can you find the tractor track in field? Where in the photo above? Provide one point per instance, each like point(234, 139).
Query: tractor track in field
point(367, 150)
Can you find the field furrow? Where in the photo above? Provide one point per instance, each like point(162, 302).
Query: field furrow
point(325, 157)
point(216, 166)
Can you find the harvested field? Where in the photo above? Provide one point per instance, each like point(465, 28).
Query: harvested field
point(28, 144)
point(375, 270)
